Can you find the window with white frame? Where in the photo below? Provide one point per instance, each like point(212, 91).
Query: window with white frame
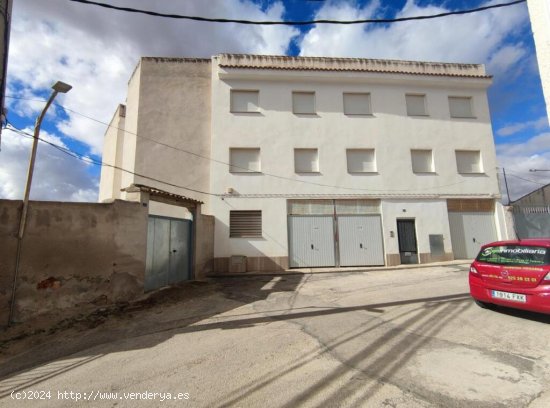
point(306, 160)
point(416, 105)
point(245, 224)
point(244, 101)
point(357, 104)
point(244, 160)
point(468, 161)
point(460, 107)
point(361, 160)
point(422, 161)
point(303, 103)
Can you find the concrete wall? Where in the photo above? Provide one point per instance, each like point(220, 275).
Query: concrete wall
point(204, 246)
point(185, 103)
point(73, 255)
point(509, 222)
point(113, 149)
point(539, 13)
point(431, 218)
point(277, 132)
point(174, 110)
point(540, 196)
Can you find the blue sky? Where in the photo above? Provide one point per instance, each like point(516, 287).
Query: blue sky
point(96, 50)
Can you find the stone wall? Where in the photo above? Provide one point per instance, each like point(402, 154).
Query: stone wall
point(73, 255)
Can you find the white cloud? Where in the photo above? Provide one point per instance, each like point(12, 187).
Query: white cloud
point(52, 178)
point(468, 39)
point(514, 128)
point(536, 145)
point(518, 158)
point(95, 50)
point(506, 58)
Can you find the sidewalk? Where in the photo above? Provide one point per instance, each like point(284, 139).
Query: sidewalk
point(351, 269)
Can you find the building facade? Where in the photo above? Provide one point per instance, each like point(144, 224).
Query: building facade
point(539, 14)
point(315, 162)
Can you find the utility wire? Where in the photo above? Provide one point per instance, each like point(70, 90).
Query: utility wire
point(295, 23)
point(524, 179)
point(245, 169)
point(101, 163)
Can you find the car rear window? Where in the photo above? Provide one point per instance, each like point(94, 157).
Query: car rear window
point(514, 255)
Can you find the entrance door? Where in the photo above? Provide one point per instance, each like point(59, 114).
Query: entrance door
point(406, 233)
point(311, 240)
point(360, 240)
point(470, 230)
point(168, 252)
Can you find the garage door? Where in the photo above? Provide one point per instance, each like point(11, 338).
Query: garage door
point(470, 230)
point(360, 240)
point(168, 252)
point(311, 240)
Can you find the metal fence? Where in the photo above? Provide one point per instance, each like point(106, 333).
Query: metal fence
point(531, 221)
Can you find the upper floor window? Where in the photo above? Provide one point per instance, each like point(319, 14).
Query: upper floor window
point(244, 101)
point(468, 161)
point(361, 160)
point(416, 105)
point(460, 107)
point(357, 104)
point(422, 161)
point(303, 103)
point(306, 160)
point(244, 160)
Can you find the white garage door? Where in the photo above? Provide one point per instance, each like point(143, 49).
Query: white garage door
point(360, 240)
point(311, 241)
point(470, 230)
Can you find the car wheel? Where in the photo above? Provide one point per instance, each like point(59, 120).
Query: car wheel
point(481, 304)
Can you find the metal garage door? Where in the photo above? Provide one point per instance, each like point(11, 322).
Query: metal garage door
point(360, 240)
point(470, 230)
point(168, 252)
point(311, 240)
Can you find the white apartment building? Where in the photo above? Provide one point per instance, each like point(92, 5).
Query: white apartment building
point(315, 162)
point(539, 13)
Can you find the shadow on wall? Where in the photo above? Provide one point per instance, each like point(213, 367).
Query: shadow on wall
point(73, 255)
point(256, 260)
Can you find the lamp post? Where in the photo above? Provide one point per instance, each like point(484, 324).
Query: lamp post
point(58, 87)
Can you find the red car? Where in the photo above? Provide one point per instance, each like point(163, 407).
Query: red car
point(513, 274)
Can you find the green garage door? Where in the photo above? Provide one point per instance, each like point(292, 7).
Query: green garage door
point(168, 252)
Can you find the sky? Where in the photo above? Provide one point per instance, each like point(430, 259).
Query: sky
point(96, 49)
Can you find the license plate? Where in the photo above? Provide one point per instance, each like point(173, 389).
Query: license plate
point(514, 297)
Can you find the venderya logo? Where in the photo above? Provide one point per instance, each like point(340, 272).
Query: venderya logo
point(487, 251)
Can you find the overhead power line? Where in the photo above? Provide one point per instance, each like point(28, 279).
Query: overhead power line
point(89, 160)
point(296, 23)
point(530, 181)
point(246, 169)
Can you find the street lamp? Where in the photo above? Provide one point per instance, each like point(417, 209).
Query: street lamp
point(58, 87)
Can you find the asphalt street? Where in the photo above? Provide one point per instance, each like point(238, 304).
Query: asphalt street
point(392, 338)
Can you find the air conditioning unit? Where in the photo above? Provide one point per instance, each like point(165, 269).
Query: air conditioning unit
point(237, 264)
